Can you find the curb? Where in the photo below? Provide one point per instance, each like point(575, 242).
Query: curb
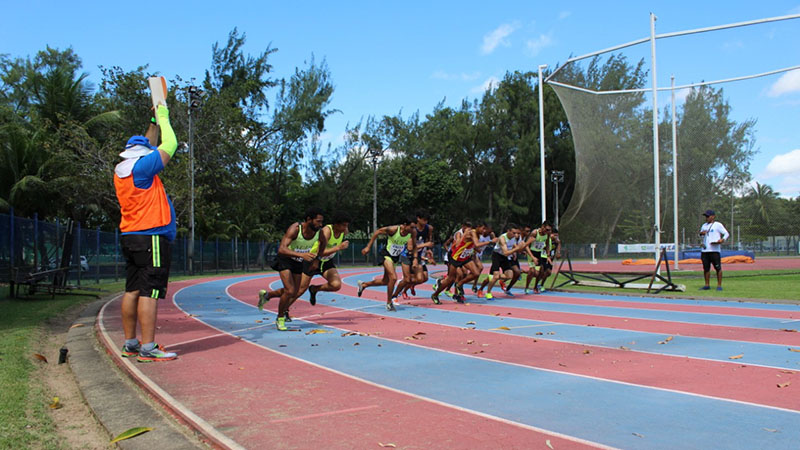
point(117, 403)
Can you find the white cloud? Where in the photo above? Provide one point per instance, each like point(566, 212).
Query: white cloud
point(784, 164)
point(787, 83)
point(534, 46)
point(564, 14)
point(486, 85)
point(442, 75)
point(498, 37)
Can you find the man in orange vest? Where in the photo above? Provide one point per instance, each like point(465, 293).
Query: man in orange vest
point(148, 227)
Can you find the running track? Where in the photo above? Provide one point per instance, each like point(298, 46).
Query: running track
point(553, 370)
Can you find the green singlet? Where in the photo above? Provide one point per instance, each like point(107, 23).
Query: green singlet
point(396, 242)
point(301, 244)
point(540, 242)
point(332, 242)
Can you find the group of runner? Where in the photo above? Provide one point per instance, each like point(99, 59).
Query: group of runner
point(307, 249)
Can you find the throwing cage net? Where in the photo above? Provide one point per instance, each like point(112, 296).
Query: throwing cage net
point(713, 129)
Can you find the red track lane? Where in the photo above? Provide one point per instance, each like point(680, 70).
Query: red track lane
point(264, 399)
point(729, 380)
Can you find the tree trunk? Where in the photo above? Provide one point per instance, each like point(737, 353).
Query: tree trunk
point(611, 230)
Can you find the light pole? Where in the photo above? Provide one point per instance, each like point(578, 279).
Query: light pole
point(375, 154)
point(541, 142)
point(556, 176)
point(195, 101)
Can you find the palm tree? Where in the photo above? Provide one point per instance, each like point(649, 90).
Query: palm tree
point(762, 200)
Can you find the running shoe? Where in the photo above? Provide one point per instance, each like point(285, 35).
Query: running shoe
point(405, 295)
point(705, 288)
point(280, 324)
point(312, 295)
point(448, 293)
point(394, 301)
point(542, 290)
point(536, 290)
point(489, 296)
point(390, 307)
point(262, 298)
point(413, 292)
point(474, 289)
point(459, 298)
point(435, 285)
point(502, 285)
point(286, 317)
point(156, 354)
point(527, 291)
point(435, 299)
point(460, 290)
point(480, 293)
point(130, 351)
point(360, 288)
point(508, 293)
point(719, 288)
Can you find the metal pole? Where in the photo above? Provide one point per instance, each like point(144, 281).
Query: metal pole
point(555, 204)
point(191, 190)
point(375, 201)
point(541, 146)
point(674, 173)
point(656, 180)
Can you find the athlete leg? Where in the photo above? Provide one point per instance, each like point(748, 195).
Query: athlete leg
point(288, 280)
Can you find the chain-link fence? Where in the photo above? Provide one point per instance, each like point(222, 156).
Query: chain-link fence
point(36, 245)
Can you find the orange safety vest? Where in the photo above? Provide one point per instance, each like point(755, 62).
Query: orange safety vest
point(142, 209)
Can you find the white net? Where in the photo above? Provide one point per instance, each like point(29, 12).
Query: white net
point(608, 101)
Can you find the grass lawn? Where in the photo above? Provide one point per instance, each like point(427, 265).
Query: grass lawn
point(755, 284)
point(24, 421)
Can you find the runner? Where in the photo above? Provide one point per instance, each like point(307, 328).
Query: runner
point(419, 272)
point(502, 259)
point(554, 244)
point(295, 248)
point(486, 236)
point(537, 246)
point(400, 237)
point(462, 257)
point(334, 235)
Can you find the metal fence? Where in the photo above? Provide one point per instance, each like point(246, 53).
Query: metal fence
point(36, 244)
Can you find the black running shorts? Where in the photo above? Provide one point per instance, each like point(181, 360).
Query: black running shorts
point(147, 260)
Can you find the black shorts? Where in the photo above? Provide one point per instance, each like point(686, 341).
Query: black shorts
point(147, 260)
point(383, 254)
point(458, 264)
point(542, 262)
point(282, 263)
point(321, 268)
point(500, 262)
point(711, 259)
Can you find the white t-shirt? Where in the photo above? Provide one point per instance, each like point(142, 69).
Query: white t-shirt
point(715, 232)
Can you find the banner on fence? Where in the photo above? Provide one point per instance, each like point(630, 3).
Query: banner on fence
point(642, 248)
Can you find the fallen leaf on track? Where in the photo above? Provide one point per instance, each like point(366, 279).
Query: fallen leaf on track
point(771, 430)
point(318, 331)
point(77, 325)
point(736, 357)
point(547, 442)
point(56, 404)
point(40, 357)
point(470, 342)
point(783, 385)
point(788, 330)
point(586, 352)
point(470, 323)
point(622, 347)
point(501, 328)
point(133, 432)
point(420, 333)
point(794, 350)
point(387, 445)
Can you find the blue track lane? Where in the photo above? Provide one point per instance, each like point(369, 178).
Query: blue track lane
point(609, 413)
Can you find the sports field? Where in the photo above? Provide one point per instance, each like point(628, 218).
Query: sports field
point(557, 370)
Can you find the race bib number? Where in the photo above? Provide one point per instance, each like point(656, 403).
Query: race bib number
point(538, 246)
point(301, 250)
point(396, 249)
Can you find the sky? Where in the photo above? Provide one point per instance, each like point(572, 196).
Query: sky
point(404, 57)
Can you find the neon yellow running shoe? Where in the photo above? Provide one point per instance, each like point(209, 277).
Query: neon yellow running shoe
point(280, 323)
point(489, 296)
point(262, 298)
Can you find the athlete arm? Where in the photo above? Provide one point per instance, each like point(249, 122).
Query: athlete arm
point(324, 235)
point(169, 143)
point(288, 237)
point(378, 232)
point(724, 235)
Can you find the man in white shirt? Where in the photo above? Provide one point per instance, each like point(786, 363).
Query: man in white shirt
point(713, 235)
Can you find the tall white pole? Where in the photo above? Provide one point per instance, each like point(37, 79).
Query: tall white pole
point(656, 180)
point(674, 173)
point(541, 143)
